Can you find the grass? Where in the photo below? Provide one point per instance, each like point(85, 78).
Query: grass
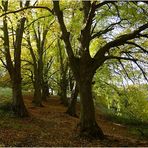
point(135, 126)
point(5, 93)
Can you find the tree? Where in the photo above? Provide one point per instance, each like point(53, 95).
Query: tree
point(45, 83)
point(73, 101)
point(14, 67)
point(63, 75)
point(39, 56)
point(85, 66)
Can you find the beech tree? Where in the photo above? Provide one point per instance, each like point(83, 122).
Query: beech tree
point(14, 66)
point(63, 74)
point(37, 34)
point(85, 65)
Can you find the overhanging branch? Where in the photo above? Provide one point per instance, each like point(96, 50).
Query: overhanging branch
point(132, 43)
point(25, 8)
point(121, 40)
point(121, 58)
point(109, 28)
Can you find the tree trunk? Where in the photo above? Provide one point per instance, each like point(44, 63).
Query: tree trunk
point(88, 124)
point(63, 96)
point(63, 90)
point(72, 105)
point(37, 98)
point(45, 91)
point(18, 105)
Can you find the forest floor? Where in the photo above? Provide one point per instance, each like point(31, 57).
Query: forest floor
point(51, 126)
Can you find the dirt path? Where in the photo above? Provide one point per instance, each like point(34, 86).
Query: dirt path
point(50, 126)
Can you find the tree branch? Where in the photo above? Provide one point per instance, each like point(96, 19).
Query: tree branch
point(125, 71)
point(66, 37)
point(5, 65)
point(121, 40)
point(25, 8)
point(109, 28)
point(143, 72)
point(121, 58)
point(102, 4)
point(132, 43)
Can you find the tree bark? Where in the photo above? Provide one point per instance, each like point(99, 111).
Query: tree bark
point(18, 105)
point(45, 91)
point(72, 105)
point(88, 124)
point(63, 94)
point(37, 98)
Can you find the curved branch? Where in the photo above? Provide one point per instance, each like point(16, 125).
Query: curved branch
point(109, 28)
point(66, 37)
point(121, 40)
point(129, 59)
point(25, 8)
point(121, 58)
point(132, 43)
point(125, 71)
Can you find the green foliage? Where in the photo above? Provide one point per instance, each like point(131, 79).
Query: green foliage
point(129, 105)
point(135, 103)
point(6, 93)
point(124, 103)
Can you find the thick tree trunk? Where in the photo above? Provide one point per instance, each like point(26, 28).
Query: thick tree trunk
point(88, 124)
point(72, 105)
point(18, 105)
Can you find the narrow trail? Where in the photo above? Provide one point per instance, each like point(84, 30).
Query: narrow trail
point(51, 126)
